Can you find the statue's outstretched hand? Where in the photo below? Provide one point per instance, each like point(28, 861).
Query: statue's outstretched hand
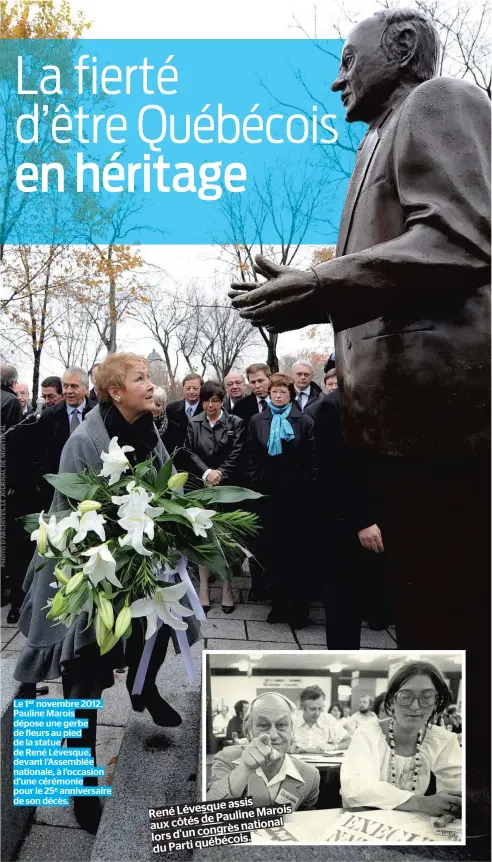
point(284, 302)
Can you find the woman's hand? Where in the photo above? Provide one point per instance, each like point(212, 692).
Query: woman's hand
point(444, 802)
point(371, 539)
point(214, 477)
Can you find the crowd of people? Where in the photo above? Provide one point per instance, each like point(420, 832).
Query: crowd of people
point(400, 757)
point(278, 434)
point(280, 439)
point(319, 728)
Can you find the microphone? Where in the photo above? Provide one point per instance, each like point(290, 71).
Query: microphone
point(30, 419)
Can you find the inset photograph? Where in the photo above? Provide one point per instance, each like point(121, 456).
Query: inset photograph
point(365, 746)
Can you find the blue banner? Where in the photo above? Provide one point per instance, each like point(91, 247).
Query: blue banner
point(175, 142)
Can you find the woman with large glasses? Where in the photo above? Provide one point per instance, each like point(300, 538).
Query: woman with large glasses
point(389, 764)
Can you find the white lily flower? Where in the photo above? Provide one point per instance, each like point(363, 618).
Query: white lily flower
point(136, 502)
point(71, 522)
point(135, 516)
point(101, 564)
point(136, 525)
point(90, 522)
point(160, 606)
point(115, 461)
point(200, 519)
point(51, 531)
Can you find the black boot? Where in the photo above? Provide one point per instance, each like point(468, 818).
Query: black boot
point(87, 809)
point(162, 712)
point(88, 812)
point(13, 615)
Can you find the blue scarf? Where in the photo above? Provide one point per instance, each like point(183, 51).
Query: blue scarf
point(280, 429)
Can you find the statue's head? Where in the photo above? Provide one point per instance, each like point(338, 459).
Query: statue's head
point(380, 53)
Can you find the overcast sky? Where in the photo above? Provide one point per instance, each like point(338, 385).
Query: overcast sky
point(202, 19)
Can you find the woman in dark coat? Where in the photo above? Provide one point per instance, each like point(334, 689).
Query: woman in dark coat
point(281, 464)
point(124, 411)
point(214, 447)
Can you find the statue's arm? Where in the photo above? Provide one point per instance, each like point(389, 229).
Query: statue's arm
point(441, 166)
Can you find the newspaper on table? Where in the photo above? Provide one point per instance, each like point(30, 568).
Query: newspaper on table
point(363, 827)
point(382, 827)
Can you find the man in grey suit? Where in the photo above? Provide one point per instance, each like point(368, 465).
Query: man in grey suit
point(409, 298)
point(264, 769)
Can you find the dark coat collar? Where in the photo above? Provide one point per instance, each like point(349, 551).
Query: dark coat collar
point(295, 413)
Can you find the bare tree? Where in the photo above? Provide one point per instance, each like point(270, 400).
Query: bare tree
point(316, 359)
point(163, 314)
point(304, 204)
point(76, 340)
point(32, 319)
point(224, 335)
point(464, 33)
point(189, 334)
point(110, 279)
point(463, 27)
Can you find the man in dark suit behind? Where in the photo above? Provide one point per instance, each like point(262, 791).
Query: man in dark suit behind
point(235, 384)
point(307, 390)
point(355, 583)
point(34, 449)
point(11, 408)
point(57, 423)
point(178, 415)
point(409, 298)
point(258, 376)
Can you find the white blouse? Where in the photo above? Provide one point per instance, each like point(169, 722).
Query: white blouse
point(366, 768)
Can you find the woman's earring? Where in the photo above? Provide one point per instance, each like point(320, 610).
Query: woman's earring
point(118, 398)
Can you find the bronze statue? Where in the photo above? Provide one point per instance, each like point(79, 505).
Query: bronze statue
point(409, 297)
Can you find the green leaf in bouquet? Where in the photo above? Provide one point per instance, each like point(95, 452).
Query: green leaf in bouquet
point(222, 494)
point(207, 554)
point(122, 557)
point(78, 599)
point(40, 566)
point(69, 559)
point(143, 469)
point(172, 507)
point(75, 486)
point(173, 519)
point(164, 475)
point(90, 611)
point(110, 642)
point(161, 541)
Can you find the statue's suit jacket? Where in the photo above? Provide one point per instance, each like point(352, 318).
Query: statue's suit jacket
point(411, 298)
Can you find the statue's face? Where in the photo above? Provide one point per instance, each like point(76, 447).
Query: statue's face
point(367, 75)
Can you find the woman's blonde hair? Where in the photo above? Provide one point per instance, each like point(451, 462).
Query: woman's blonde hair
point(113, 371)
point(160, 397)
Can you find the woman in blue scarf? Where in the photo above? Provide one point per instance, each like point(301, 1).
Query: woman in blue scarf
point(281, 465)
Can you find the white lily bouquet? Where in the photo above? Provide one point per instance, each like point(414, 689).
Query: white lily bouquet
point(125, 529)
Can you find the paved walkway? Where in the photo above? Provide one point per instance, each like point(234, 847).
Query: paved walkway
point(54, 835)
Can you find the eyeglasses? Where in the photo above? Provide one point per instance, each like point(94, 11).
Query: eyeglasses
point(405, 697)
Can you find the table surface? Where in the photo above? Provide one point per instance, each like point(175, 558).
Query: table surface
point(320, 760)
point(312, 827)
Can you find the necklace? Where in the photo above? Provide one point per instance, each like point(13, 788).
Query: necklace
point(416, 767)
